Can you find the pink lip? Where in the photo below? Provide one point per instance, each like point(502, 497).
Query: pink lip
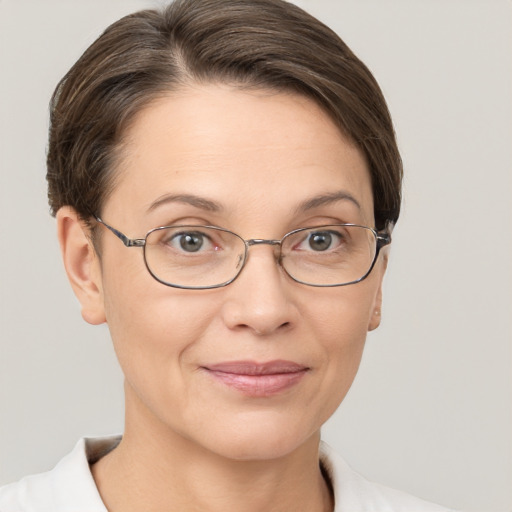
point(258, 379)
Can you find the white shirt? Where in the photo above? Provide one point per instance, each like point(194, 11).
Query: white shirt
point(70, 487)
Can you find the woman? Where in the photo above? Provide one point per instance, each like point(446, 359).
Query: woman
point(225, 180)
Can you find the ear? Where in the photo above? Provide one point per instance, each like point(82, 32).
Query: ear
point(82, 264)
point(375, 313)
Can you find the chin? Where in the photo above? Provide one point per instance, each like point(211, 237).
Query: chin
point(261, 439)
point(256, 449)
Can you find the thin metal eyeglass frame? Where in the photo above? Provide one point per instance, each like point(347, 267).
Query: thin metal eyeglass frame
point(382, 238)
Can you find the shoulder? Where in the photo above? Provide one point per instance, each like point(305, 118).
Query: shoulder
point(69, 486)
point(355, 493)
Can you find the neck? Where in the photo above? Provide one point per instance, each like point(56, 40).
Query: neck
point(156, 469)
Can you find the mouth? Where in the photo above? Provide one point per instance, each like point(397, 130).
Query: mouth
point(258, 379)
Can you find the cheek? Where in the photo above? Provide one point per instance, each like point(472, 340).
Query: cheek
point(342, 333)
point(340, 319)
point(154, 328)
point(341, 315)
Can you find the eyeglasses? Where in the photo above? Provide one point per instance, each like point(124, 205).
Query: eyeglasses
point(203, 257)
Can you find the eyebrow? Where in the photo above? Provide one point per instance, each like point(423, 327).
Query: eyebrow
point(326, 199)
point(198, 202)
point(212, 206)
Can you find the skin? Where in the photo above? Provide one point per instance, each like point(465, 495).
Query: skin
point(190, 442)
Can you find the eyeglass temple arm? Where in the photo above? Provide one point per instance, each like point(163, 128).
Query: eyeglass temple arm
point(128, 242)
point(383, 239)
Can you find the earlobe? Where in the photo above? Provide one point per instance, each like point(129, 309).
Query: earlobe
point(81, 264)
point(375, 314)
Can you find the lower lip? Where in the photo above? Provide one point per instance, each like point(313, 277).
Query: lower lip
point(259, 385)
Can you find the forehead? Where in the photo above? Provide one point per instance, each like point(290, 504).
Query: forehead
point(249, 152)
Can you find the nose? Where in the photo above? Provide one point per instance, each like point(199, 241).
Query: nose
point(261, 300)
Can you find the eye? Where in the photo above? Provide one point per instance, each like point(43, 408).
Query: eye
point(320, 241)
point(191, 241)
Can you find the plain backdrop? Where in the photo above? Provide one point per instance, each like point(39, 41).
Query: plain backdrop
point(431, 409)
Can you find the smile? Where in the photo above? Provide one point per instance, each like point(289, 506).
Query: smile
point(258, 380)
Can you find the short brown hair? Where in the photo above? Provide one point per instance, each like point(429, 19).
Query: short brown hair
point(250, 43)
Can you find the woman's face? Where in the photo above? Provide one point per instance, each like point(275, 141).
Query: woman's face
point(251, 162)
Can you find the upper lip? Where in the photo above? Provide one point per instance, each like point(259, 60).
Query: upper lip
point(255, 368)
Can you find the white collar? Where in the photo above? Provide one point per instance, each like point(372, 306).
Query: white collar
point(354, 493)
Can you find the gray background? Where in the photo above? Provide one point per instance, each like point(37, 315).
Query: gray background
point(431, 410)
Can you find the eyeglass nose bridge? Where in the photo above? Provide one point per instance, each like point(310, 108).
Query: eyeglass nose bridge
point(242, 260)
point(262, 241)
